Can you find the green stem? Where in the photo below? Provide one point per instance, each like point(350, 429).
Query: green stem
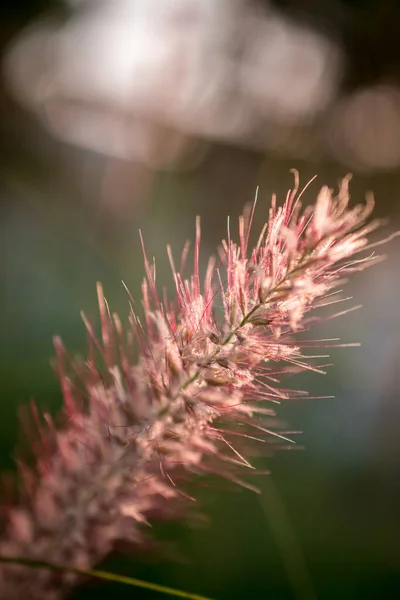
point(39, 564)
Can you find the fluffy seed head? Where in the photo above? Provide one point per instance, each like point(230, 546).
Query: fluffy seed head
point(134, 430)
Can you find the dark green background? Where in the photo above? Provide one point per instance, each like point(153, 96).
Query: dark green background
point(329, 514)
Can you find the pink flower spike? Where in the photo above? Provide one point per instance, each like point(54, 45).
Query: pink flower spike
point(181, 391)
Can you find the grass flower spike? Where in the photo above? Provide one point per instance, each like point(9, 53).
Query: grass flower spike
point(180, 392)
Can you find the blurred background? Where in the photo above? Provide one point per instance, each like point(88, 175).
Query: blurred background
point(120, 115)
